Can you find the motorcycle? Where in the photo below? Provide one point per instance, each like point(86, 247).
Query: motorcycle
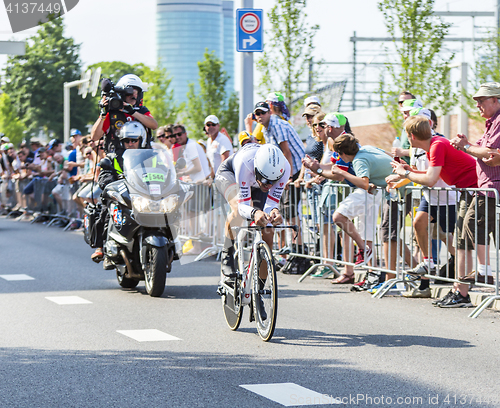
point(143, 210)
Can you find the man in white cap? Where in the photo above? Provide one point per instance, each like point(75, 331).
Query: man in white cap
point(312, 100)
point(219, 147)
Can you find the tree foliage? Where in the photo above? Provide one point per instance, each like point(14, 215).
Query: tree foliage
point(10, 125)
point(159, 98)
point(421, 68)
point(288, 50)
point(212, 99)
point(34, 81)
point(486, 69)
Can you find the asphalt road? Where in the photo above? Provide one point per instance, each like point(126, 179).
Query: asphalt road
point(330, 346)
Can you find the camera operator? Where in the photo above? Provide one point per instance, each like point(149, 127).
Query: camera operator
point(120, 104)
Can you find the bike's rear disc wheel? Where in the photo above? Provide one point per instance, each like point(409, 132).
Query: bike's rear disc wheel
point(231, 305)
point(268, 295)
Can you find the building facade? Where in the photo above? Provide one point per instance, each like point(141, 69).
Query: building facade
point(185, 28)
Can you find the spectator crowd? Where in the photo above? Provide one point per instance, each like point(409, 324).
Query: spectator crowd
point(337, 189)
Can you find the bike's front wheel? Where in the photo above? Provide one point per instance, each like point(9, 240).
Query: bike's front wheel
point(265, 293)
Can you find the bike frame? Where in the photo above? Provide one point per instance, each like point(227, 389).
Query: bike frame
point(246, 286)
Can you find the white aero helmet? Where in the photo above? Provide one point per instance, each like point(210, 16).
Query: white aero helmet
point(132, 130)
point(269, 163)
point(130, 80)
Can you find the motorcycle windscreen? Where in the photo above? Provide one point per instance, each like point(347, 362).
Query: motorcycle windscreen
point(149, 171)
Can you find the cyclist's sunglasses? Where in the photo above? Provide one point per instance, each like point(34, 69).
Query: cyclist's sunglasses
point(263, 180)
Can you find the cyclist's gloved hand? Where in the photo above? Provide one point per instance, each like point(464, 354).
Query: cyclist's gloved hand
point(275, 217)
point(261, 218)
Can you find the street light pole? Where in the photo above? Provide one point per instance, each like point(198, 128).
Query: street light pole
point(67, 86)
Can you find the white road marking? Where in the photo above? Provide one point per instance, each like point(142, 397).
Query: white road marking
point(17, 277)
point(148, 335)
point(68, 300)
point(290, 394)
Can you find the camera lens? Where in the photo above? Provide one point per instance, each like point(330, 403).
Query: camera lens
point(115, 104)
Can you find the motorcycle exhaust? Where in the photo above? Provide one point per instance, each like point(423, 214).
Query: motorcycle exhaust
point(130, 271)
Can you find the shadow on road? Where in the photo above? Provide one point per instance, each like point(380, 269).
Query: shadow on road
point(321, 339)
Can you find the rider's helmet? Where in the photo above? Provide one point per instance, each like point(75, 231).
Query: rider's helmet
point(132, 81)
point(269, 163)
point(132, 130)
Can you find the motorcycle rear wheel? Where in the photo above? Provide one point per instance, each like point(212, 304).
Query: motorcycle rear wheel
point(155, 271)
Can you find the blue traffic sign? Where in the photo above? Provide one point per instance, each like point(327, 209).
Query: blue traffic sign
point(249, 30)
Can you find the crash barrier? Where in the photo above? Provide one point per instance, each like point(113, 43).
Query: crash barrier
point(202, 221)
point(381, 225)
point(40, 204)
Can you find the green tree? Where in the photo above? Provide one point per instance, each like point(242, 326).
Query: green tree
point(288, 51)
point(212, 98)
point(486, 69)
point(421, 68)
point(34, 81)
point(159, 98)
point(10, 124)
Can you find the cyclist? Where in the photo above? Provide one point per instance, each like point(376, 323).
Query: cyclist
point(252, 182)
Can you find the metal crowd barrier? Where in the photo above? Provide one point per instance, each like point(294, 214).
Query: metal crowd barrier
point(321, 236)
point(328, 246)
point(202, 219)
point(41, 204)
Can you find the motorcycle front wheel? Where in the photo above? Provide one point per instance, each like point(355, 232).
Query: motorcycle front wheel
point(155, 271)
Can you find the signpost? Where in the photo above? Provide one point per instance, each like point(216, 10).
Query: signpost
point(249, 32)
point(249, 39)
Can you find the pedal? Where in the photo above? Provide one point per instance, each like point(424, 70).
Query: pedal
point(220, 290)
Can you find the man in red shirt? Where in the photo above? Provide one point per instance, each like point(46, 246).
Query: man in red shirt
point(456, 168)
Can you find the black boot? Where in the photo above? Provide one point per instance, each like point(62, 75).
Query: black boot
point(227, 261)
point(263, 313)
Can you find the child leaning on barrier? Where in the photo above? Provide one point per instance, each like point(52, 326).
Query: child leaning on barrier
point(371, 166)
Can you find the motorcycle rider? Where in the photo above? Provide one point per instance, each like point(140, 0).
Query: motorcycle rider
point(131, 136)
